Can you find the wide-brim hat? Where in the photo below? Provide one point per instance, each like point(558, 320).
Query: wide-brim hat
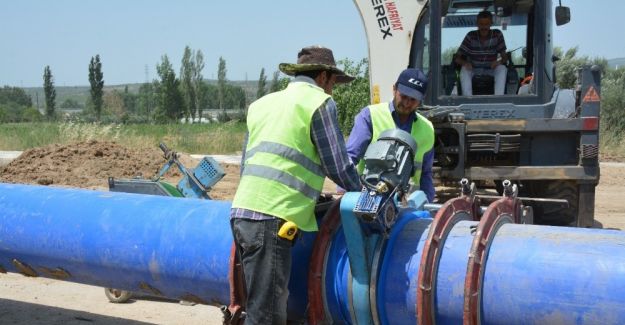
point(315, 58)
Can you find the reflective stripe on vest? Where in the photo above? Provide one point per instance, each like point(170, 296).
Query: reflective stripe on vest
point(282, 174)
point(422, 132)
point(286, 152)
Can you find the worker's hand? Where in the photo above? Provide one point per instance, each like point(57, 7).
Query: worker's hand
point(494, 64)
point(467, 65)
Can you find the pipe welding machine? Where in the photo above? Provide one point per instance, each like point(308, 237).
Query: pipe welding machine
point(195, 183)
point(389, 164)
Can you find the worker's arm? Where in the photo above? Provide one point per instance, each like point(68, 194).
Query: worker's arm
point(426, 183)
point(504, 58)
point(328, 139)
point(360, 136)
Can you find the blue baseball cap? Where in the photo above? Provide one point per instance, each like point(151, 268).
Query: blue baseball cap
point(412, 83)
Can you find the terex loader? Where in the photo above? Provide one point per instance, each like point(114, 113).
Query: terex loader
point(543, 138)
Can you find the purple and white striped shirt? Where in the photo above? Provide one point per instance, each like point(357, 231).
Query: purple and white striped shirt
point(482, 53)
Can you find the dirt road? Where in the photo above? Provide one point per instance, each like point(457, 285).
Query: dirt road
point(43, 301)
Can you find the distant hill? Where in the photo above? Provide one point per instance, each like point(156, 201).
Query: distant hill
point(81, 93)
point(615, 63)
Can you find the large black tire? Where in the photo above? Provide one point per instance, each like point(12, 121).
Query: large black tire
point(557, 189)
point(117, 296)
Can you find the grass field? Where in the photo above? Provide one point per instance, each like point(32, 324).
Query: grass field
point(214, 138)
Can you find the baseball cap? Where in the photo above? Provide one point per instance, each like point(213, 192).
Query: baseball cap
point(412, 83)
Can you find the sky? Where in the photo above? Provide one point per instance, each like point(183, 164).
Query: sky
point(131, 35)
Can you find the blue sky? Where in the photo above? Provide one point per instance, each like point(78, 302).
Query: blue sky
point(249, 35)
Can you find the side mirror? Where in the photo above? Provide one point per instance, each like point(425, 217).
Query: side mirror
point(563, 15)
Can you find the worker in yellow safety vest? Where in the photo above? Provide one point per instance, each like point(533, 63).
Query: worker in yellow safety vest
point(293, 143)
point(401, 112)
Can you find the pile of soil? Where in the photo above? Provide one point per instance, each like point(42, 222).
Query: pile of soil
point(83, 164)
point(89, 165)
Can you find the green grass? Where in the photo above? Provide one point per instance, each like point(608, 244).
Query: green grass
point(214, 138)
point(194, 138)
point(612, 146)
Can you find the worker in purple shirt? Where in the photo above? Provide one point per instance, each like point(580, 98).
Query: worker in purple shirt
point(401, 112)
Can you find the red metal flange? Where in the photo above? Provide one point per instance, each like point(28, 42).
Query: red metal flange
point(502, 211)
point(238, 295)
point(462, 208)
point(329, 225)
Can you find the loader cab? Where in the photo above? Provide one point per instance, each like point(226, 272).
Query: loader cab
point(526, 26)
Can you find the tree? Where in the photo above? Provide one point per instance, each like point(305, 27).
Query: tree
point(221, 86)
point(273, 86)
point(146, 100)
point(16, 106)
point(113, 101)
point(170, 104)
point(130, 101)
point(612, 103)
point(70, 103)
point(15, 95)
point(50, 92)
point(187, 72)
point(566, 67)
point(97, 84)
point(198, 81)
point(262, 83)
point(352, 97)
point(208, 96)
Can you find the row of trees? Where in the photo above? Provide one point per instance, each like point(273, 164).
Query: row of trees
point(16, 106)
point(171, 98)
point(95, 80)
point(184, 96)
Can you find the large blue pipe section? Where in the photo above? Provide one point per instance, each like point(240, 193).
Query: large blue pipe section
point(180, 248)
point(158, 245)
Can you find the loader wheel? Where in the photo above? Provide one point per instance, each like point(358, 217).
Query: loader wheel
point(117, 296)
point(567, 190)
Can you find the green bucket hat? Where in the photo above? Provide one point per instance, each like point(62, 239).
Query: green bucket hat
point(315, 58)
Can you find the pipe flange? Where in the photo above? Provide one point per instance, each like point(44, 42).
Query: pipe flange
point(331, 222)
point(238, 294)
point(452, 212)
point(498, 213)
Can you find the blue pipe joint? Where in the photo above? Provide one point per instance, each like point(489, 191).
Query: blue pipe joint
point(359, 254)
point(398, 273)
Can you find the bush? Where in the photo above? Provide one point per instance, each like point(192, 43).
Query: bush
point(31, 114)
point(223, 117)
point(352, 97)
point(613, 103)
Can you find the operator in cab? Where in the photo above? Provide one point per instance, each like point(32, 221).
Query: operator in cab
point(477, 55)
point(401, 112)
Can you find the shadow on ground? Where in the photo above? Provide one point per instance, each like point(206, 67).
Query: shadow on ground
point(12, 312)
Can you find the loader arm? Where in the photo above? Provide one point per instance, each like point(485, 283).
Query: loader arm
point(389, 26)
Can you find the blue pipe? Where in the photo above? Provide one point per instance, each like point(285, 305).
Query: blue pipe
point(533, 275)
point(180, 248)
point(158, 245)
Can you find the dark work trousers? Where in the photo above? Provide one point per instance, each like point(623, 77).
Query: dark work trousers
point(266, 260)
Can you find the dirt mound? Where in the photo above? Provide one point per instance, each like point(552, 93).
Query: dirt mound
point(83, 164)
point(90, 164)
